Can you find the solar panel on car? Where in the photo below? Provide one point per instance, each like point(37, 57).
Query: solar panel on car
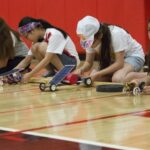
point(62, 74)
point(9, 72)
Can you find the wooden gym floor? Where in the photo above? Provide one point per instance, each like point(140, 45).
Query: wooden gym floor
point(72, 118)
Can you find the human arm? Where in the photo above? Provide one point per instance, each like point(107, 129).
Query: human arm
point(118, 64)
point(87, 64)
point(44, 62)
point(25, 62)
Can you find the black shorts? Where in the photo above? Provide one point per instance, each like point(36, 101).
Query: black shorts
point(66, 60)
point(12, 63)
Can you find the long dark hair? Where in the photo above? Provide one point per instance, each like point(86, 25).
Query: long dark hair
point(6, 42)
point(105, 58)
point(44, 23)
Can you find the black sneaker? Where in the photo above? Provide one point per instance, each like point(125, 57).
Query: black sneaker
point(26, 70)
point(50, 73)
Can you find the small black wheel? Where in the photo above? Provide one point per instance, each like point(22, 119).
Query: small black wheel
point(124, 90)
point(52, 87)
point(87, 81)
point(136, 91)
point(42, 86)
point(141, 86)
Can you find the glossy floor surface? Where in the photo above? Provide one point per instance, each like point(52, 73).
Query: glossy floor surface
point(76, 113)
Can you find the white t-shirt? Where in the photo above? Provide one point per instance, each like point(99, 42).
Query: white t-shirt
point(122, 41)
point(58, 44)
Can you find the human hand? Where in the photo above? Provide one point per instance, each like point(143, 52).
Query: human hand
point(146, 90)
point(26, 77)
point(93, 72)
point(95, 76)
point(78, 71)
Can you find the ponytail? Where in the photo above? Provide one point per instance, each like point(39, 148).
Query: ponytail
point(105, 58)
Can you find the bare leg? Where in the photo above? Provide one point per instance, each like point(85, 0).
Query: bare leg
point(57, 62)
point(39, 51)
point(120, 75)
point(104, 79)
point(101, 79)
point(135, 75)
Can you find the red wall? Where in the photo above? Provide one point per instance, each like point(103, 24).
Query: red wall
point(130, 14)
point(147, 13)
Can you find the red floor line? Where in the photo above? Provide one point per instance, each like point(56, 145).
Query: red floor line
point(71, 123)
point(59, 104)
point(14, 138)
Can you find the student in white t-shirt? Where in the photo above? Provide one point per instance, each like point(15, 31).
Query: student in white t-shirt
point(51, 46)
point(12, 49)
point(114, 48)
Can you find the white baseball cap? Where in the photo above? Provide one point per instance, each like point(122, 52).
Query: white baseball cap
point(88, 27)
